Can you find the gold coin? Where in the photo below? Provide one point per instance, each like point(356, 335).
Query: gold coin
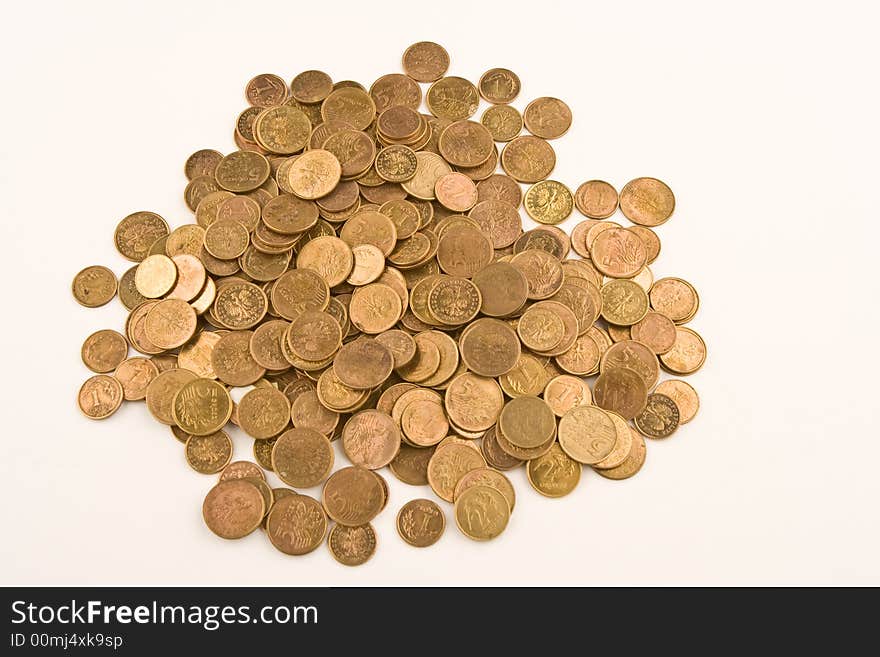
point(128, 294)
point(155, 276)
point(311, 86)
point(208, 454)
point(463, 251)
point(371, 439)
point(527, 422)
point(135, 375)
point(263, 413)
point(618, 253)
point(587, 434)
point(396, 163)
point(282, 129)
point(240, 305)
point(296, 524)
point(540, 329)
point(675, 298)
point(582, 358)
point(547, 117)
point(448, 464)
point(499, 85)
point(481, 513)
point(137, 232)
point(650, 240)
point(328, 255)
point(487, 477)
point(351, 105)
point(242, 171)
point(262, 450)
point(352, 546)
point(596, 199)
point(647, 201)
point(400, 344)
point(504, 122)
point(549, 202)
point(104, 350)
point(306, 411)
point(499, 220)
point(423, 422)
point(554, 474)
point(565, 392)
point(624, 302)
point(687, 354)
point(542, 270)
point(354, 150)
point(369, 227)
point(425, 61)
point(489, 347)
point(170, 323)
point(314, 335)
point(395, 89)
point(201, 407)
point(302, 457)
point(528, 159)
point(429, 168)
point(452, 98)
point(161, 391)
point(233, 509)
point(100, 396)
point(266, 90)
point(528, 377)
point(266, 346)
point(314, 174)
point(466, 144)
point(421, 523)
point(353, 496)
point(684, 396)
point(94, 286)
point(202, 163)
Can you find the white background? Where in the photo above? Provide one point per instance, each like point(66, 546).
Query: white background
point(761, 117)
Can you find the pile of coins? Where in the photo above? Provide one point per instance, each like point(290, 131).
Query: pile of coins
point(359, 270)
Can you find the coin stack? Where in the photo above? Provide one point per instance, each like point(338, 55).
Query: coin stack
point(358, 271)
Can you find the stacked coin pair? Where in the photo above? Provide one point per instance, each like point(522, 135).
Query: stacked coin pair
point(359, 270)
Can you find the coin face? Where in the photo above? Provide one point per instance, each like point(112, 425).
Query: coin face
point(104, 350)
point(647, 201)
point(499, 85)
point(266, 90)
point(314, 174)
point(452, 98)
point(302, 457)
point(587, 434)
point(352, 546)
point(94, 286)
point(161, 391)
point(528, 159)
point(660, 417)
point(554, 474)
point(565, 392)
point(688, 353)
point(549, 202)
point(233, 508)
point(100, 397)
point(353, 496)
point(137, 232)
point(504, 122)
point(547, 117)
point(624, 302)
point(208, 454)
point(371, 439)
point(263, 413)
point(296, 524)
point(596, 199)
point(481, 513)
point(489, 347)
point(201, 407)
point(421, 522)
point(425, 61)
point(675, 298)
point(655, 330)
point(135, 375)
point(311, 86)
point(170, 323)
point(448, 464)
point(487, 477)
point(685, 397)
point(633, 462)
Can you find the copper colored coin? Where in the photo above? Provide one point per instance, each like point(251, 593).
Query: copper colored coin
point(352, 546)
point(371, 439)
point(596, 199)
point(363, 364)
point(687, 354)
point(631, 464)
point(555, 473)
point(635, 356)
point(208, 454)
point(684, 396)
point(135, 375)
point(489, 347)
point(620, 390)
point(587, 434)
point(411, 464)
point(233, 509)
point(100, 396)
point(660, 417)
point(448, 464)
point(547, 117)
point(655, 330)
point(456, 192)
point(495, 456)
point(499, 85)
point(647, 201)
point(675, 298)
point(353, 496)
point(296, 524)
point(103, 351)
point(425, 61)
point(618, 253)
point(263, 412)
point(302, 457)
point(421, 522)
point(528, 159)
point(94, 286)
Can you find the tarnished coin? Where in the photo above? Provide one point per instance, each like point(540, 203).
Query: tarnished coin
point(473, 402)
point(527, 422)
point(587, 434)
point(371, 439)
point(687, 354)
point(647, 201)
point(411, 464)
point(208, 454)
point(495, 456)
point(489, 347)
point(242, 171)
point(202, 163)
point(351, 105)
point(296, 524)
point(620, 390)
point(452, 98)
point(554, 474)
point(400, 344)
point(423, 422)
point(375, 308)
point(311, 86)
point(201, 407)
point(481, 513)
point(655, 330)
point(684, 396)
point(363, 363)
point(302, 457)
point(352, 546)
point(94, 286)
point(266, 90)
point(542, 270)
point(421, 522)
point(528, 159)
point(499, 85)
point(503, 289)
point(104, 350)
point(314, 335)
point(263, 412)
point(395, 89)
point(100, 396)
point(353, 496)
point(233, 508)
point(618, 253)
point(282, 129)
point(307, 411)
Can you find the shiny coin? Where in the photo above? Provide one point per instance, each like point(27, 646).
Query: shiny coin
point(587, 434)
point(481, 513)
point(660, 417)
point(352, 546)
point(499, 85)
point(554, 474)
point(201, 407)
point(421, 522)
point(208, 454)
point(100, 396)
point(233, 509)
